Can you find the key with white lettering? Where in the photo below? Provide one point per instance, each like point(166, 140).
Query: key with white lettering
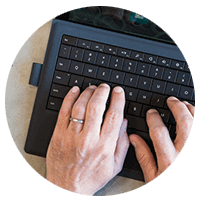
point(90, 70)
point(76, 67)
point(131, 93)
point(61, 77)
point(117, 77)
point(186, 92)
point(59, 90)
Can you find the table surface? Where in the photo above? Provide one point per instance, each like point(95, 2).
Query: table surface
point(20, 97)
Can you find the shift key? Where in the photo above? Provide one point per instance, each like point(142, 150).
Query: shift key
point(137, 123)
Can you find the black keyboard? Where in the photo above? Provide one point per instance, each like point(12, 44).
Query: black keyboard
point(148, 80)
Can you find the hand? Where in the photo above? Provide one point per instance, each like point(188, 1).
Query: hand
point(84, 157)
point(166, 150)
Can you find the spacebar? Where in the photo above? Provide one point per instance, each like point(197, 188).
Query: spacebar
point(137, 123)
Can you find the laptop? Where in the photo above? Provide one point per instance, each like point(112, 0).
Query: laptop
point(118, 47)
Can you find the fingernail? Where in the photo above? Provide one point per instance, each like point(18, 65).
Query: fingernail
point(104, 85)
point(92, 87)
point(118, 89)
point(172, 98)
point(75, 89)
point(185, 102)
point(134, 144)
point(152, 111)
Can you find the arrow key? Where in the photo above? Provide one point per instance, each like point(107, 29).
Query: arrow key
point(76, 81)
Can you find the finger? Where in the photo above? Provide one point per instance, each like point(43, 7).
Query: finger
point(190, 107)
point(164, 148)
point(114, 115)
point(144, 157)
point(184, 120)
point(79, 109)
point(66, 108)
point(121, 147)
point(95, 110)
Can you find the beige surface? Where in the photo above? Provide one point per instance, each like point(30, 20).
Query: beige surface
point(20, 97)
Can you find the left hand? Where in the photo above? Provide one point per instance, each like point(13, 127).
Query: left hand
point(84, 157)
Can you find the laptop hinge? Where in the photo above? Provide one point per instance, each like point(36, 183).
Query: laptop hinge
point(35, 74)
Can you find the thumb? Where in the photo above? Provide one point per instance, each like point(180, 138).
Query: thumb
point(144, 157)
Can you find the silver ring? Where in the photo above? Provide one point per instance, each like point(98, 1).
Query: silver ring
point(76, 120)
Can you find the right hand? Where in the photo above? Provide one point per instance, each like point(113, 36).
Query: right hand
point(166, 150)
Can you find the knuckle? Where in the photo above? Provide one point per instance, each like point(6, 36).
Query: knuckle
point(113, 114)
point(95, 108)
point(158, 130)
point(79, 108)
point(176, 103)
point(185, 122)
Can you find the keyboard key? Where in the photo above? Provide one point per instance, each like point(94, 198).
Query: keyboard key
point(63, 64)
point(156, 72)
point(143, 69)
point(139, 123)
point(144, 83)
point(76, 67)
point(186, 92)
point(117, 77)
point(90, 70)
point(150, 58)
point(123, 52)
point(84, 43)
point(144, 97)
point(158, 86)
point(164, 114)
point(89, 56)
point(103, 74)
point(130, 80)
point(186, 68)
point(54, 103)
point(158, 100)
point(64, 51)
point(69, 40)
point(61, 77)
point(134, 108)
point(170, 75)
point(110, 49)
point(76, 80)
point(172, 89)
point(59, 90)
point(164, 61)
point(177, 65)
point(129, 65)
point(145, 108)
point(97, 46)
point(131, 93)
point(183, 78)
point(76, 53)
point(137, 55)
point(103, 60)
point(116, 62)
point(88, 81)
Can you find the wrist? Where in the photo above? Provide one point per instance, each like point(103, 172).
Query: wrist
point(79, 189)
point(72, 187)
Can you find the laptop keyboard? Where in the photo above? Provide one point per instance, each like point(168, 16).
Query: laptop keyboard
point(148, 80)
